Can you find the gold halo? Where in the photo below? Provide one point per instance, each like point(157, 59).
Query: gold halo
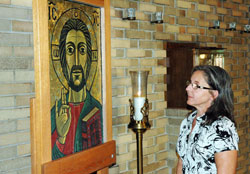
point(75, 13)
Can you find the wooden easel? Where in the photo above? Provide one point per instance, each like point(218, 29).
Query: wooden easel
point(98, 158)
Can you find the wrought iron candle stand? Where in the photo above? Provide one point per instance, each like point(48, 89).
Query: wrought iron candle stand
point(139, 111)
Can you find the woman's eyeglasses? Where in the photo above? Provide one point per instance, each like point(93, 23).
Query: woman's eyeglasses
point(195, 86)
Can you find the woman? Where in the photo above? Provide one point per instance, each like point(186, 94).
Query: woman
point(208, 140)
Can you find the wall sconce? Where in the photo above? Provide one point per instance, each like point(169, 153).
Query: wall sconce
point(157, 17)
point(216, 25)
point(246, 29)
point(139, 109)
point(129, 14)
point(232, 26)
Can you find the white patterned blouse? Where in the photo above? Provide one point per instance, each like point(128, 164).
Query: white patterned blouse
point(197, 150)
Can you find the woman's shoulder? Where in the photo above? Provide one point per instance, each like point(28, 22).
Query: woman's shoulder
point(223, 134)
point(225, 126)
point(223, 121)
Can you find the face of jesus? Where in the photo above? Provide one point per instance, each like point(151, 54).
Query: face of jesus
point(76, 57)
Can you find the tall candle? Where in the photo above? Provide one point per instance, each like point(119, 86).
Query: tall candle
point(139, 92)
point(138, 104)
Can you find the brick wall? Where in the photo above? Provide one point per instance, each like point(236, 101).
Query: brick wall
point(139, 44)
point(16, 85)
point(135, 44)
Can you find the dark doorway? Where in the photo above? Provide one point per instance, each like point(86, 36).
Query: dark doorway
point(180, 58)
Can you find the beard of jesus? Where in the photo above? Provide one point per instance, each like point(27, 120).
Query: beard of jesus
point(77, 79)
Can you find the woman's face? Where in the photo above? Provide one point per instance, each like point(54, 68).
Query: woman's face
point(199, 98)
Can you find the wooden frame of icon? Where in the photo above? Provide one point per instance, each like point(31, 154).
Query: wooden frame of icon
point(71, 114)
